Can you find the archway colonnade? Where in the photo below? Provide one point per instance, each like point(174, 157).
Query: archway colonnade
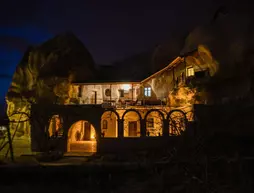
point(129, 123)
point(152, 123)
point(80, 132)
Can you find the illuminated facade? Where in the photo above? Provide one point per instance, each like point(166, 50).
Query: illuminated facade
point(163, 91)
point(138, 108)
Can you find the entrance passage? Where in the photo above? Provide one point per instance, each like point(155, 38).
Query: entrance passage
point(131, 124)
point(82, 137)
point(133, 129)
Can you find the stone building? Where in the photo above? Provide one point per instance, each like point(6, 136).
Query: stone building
point(132, 103)
point(134, 109)
point(126, 110)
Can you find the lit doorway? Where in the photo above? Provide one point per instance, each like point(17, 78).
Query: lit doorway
point(82, 137)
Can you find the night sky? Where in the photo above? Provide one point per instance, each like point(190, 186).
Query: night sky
point(111, 30)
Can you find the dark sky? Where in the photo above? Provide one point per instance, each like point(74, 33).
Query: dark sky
point(111, 30)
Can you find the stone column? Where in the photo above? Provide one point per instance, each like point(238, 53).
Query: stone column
point(120, 127)
point(67, 123)
point(143, 127)
point(98, 137)
point(165, 131)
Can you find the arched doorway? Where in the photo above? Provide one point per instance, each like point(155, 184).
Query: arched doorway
point(154, 123)
point(82, 137)
point(132, 126)
point(177, 122)
point(109, 124)
point(55, 126)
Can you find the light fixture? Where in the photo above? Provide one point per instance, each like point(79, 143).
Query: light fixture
point(3, 128)
point(126, 87)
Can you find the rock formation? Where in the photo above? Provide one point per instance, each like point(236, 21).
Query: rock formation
point(44, 76)
point(137, 66)
point(226, 45)
point(165, 53)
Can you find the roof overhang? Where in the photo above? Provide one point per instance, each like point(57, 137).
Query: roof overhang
point(171, 65)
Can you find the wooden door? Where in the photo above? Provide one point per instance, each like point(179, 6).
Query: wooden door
point(87, 132)
point(133, 129)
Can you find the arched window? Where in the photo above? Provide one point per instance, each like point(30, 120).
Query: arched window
point(105, 124)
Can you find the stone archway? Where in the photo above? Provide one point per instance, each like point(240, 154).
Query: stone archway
point(177, 122)
point(132, 123)
point(154, 119)
point(109, 124)
point(82, 137)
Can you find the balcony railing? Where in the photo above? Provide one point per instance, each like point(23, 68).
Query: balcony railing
point(128, 103)
point(122, 103)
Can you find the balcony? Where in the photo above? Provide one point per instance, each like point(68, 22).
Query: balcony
point(127, 103)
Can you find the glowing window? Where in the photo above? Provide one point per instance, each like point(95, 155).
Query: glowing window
point(126, 87)
point(147, 91)
point(190, 71)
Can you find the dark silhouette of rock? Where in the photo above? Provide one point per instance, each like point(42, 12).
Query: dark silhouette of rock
point(134, 68)
point(227, 44)
point(142, 65)
point(71, 56)
point(63, 58)
point(44, 75)
point(229, 38)
point(166, 52)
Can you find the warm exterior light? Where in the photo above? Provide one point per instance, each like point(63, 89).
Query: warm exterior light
point(190, 71)
point(126, 86)
point(92, 134)
point(3, 128)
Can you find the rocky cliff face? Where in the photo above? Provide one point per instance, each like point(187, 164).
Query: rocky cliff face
point(134, 68)
point(44, 75)
point(226, 45)
point(166, 52)
point(229, 37)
